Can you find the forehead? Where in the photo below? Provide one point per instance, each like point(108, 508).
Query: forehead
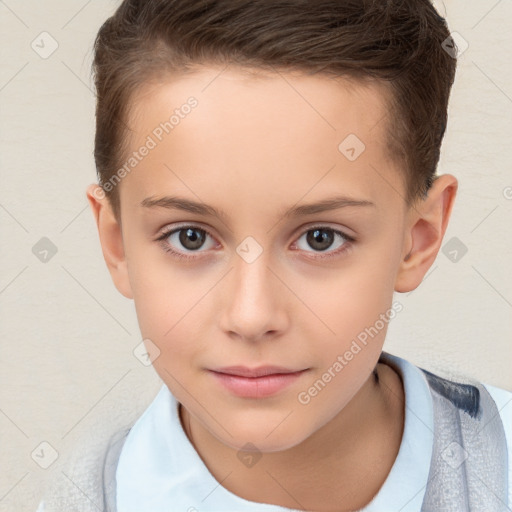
point(338, 103)
point(254, 133)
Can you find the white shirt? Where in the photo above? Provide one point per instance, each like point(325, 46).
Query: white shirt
point(159, 470)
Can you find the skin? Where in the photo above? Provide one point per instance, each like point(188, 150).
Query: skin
point(255, 146)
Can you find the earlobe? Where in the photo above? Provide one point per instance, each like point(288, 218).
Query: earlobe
point(111, 239)
point(428, 221)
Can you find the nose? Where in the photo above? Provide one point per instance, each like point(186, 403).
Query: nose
point(254, 307)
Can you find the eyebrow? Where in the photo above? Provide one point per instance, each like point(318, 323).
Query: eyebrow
point(181, 203)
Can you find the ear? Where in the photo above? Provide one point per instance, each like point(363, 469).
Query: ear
point(111, 239)
point(426, 226)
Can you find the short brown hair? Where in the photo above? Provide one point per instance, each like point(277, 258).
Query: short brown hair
point(395, 41)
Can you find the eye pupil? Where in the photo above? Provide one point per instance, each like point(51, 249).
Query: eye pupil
point(189, 238)
point(321, 236)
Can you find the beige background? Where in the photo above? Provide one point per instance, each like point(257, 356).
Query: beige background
point(67, 335)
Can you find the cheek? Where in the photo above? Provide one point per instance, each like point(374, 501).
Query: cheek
point(167, 313)
point(170, 306)
point(162, 296)
point(357, 308)
point(168, 319)
point(357, 296)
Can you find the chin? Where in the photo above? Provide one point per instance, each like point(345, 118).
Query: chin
point(257, 440)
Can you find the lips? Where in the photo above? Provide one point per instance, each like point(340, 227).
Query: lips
point(243, 371)
point(261, 382)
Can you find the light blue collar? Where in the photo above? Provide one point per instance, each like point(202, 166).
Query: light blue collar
point(159, 467)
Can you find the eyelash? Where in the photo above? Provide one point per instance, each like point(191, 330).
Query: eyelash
point(182, 256)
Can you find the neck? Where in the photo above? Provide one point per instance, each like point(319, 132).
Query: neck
point(359, 445)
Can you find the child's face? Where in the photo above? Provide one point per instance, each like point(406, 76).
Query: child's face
point(253, 149)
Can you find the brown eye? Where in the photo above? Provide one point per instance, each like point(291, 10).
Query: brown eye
point(184, 241)
point(192, 238)
point(320, 239)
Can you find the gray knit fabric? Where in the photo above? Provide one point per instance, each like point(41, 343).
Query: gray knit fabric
point(469, 465)
point(468, 469)
point(109, 470)
point(77, 486)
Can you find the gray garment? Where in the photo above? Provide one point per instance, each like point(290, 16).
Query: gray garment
point(468, 470)
point(109, 470)
point(469, 466)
